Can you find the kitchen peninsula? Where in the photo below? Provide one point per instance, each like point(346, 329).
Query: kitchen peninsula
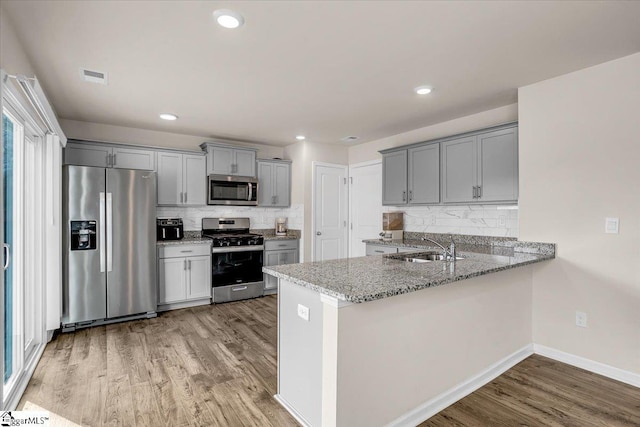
point(381, 341)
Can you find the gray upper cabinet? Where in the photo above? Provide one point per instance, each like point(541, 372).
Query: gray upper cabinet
point(411, 176)
point(181, 179)
point(109, 156)
point(229, 160)
point(274, 183)
point(459, 170)
point(424, 174)
point(394, 178)
point(481, 168)
point(498, 166)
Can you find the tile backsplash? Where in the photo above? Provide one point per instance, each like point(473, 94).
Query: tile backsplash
point(259, 217)
point(479, 220)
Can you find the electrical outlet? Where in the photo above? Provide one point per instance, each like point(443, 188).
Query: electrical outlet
point(502, 221)
point(611, 225)
point(581, 319)
point(303, 312)
point(433, 220)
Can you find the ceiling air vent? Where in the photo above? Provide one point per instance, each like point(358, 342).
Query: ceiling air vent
point(350, 138)
point(93, 76)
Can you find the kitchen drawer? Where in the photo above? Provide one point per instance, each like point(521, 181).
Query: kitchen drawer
point(181, 251)
point(278, 245)
point(238, 292)
point(379, 249)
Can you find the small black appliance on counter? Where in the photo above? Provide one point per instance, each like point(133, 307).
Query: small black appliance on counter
point(169, 228)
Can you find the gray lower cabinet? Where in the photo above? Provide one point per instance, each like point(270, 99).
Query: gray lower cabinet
point(373, 249)
point(229, 160)
point(481, 168)
point(274, 183)
point(184, 275)
point(182, 179)
point(278, 252)
point(411, 176)
point(85, 153)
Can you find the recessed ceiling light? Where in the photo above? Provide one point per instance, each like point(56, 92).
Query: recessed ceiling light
point(228, 18)
point(168, 116)
point(301, 137)
point(423, 90)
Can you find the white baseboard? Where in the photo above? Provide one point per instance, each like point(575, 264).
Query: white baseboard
point(608, 371)
point(438, 403)
point(292, 411)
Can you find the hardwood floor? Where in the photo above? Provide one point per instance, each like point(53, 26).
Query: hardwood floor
point(216, 366)
point(206, 366)
point(542, 392)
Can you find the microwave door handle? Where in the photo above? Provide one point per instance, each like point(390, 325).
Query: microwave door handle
point(250, 191)
point(164, 233)
point(178, 232)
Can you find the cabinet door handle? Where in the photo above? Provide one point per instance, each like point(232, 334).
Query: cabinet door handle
point(189, 264)
point(404, 196)
point(108, 160)
point(475, 192)
point(273, 200)
point(479, 191)
point(181, 197)
point(184, 265)
point(7, 256)
point(185, 196)
point(113, 160)
point(410, 195)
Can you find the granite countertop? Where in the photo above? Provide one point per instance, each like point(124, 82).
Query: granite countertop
point(362, 279)
point(270, 234)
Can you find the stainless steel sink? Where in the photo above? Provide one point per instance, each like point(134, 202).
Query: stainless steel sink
point(427, 257)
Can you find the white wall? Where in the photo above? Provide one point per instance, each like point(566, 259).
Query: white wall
point(448, 334)
point(580, 163)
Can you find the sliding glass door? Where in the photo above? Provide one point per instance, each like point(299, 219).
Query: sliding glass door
point(13, 131)
point(22, 223)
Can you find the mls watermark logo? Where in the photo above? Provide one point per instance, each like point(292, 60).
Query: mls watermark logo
point(24, 418)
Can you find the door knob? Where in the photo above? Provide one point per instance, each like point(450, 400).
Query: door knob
point(318, 233)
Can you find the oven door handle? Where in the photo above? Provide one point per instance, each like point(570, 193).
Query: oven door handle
point(225, 249)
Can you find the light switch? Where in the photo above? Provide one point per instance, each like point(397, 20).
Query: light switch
point(611, 225)
point(303, 312)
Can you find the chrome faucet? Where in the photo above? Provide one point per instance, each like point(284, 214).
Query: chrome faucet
point(446, 253)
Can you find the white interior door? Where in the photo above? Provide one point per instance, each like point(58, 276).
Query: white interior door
point(330, 211)
point(365, 211)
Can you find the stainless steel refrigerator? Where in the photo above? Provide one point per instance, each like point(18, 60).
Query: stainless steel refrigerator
point(109, 245)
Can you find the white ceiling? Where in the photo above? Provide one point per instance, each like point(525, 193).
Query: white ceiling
point(322, 69)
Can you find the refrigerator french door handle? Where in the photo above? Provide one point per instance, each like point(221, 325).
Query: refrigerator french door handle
point(102, 236)
point(109, 232)
point(7, 255)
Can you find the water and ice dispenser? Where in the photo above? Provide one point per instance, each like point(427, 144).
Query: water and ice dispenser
point(83, 235)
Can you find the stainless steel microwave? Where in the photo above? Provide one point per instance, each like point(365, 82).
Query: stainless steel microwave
point(232, 190)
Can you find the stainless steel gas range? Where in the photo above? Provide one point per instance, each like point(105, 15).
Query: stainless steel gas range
point(236, 259)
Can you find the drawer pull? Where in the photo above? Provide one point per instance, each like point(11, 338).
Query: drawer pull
point(239, 288)
point(185, 252)
point(379, 252)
